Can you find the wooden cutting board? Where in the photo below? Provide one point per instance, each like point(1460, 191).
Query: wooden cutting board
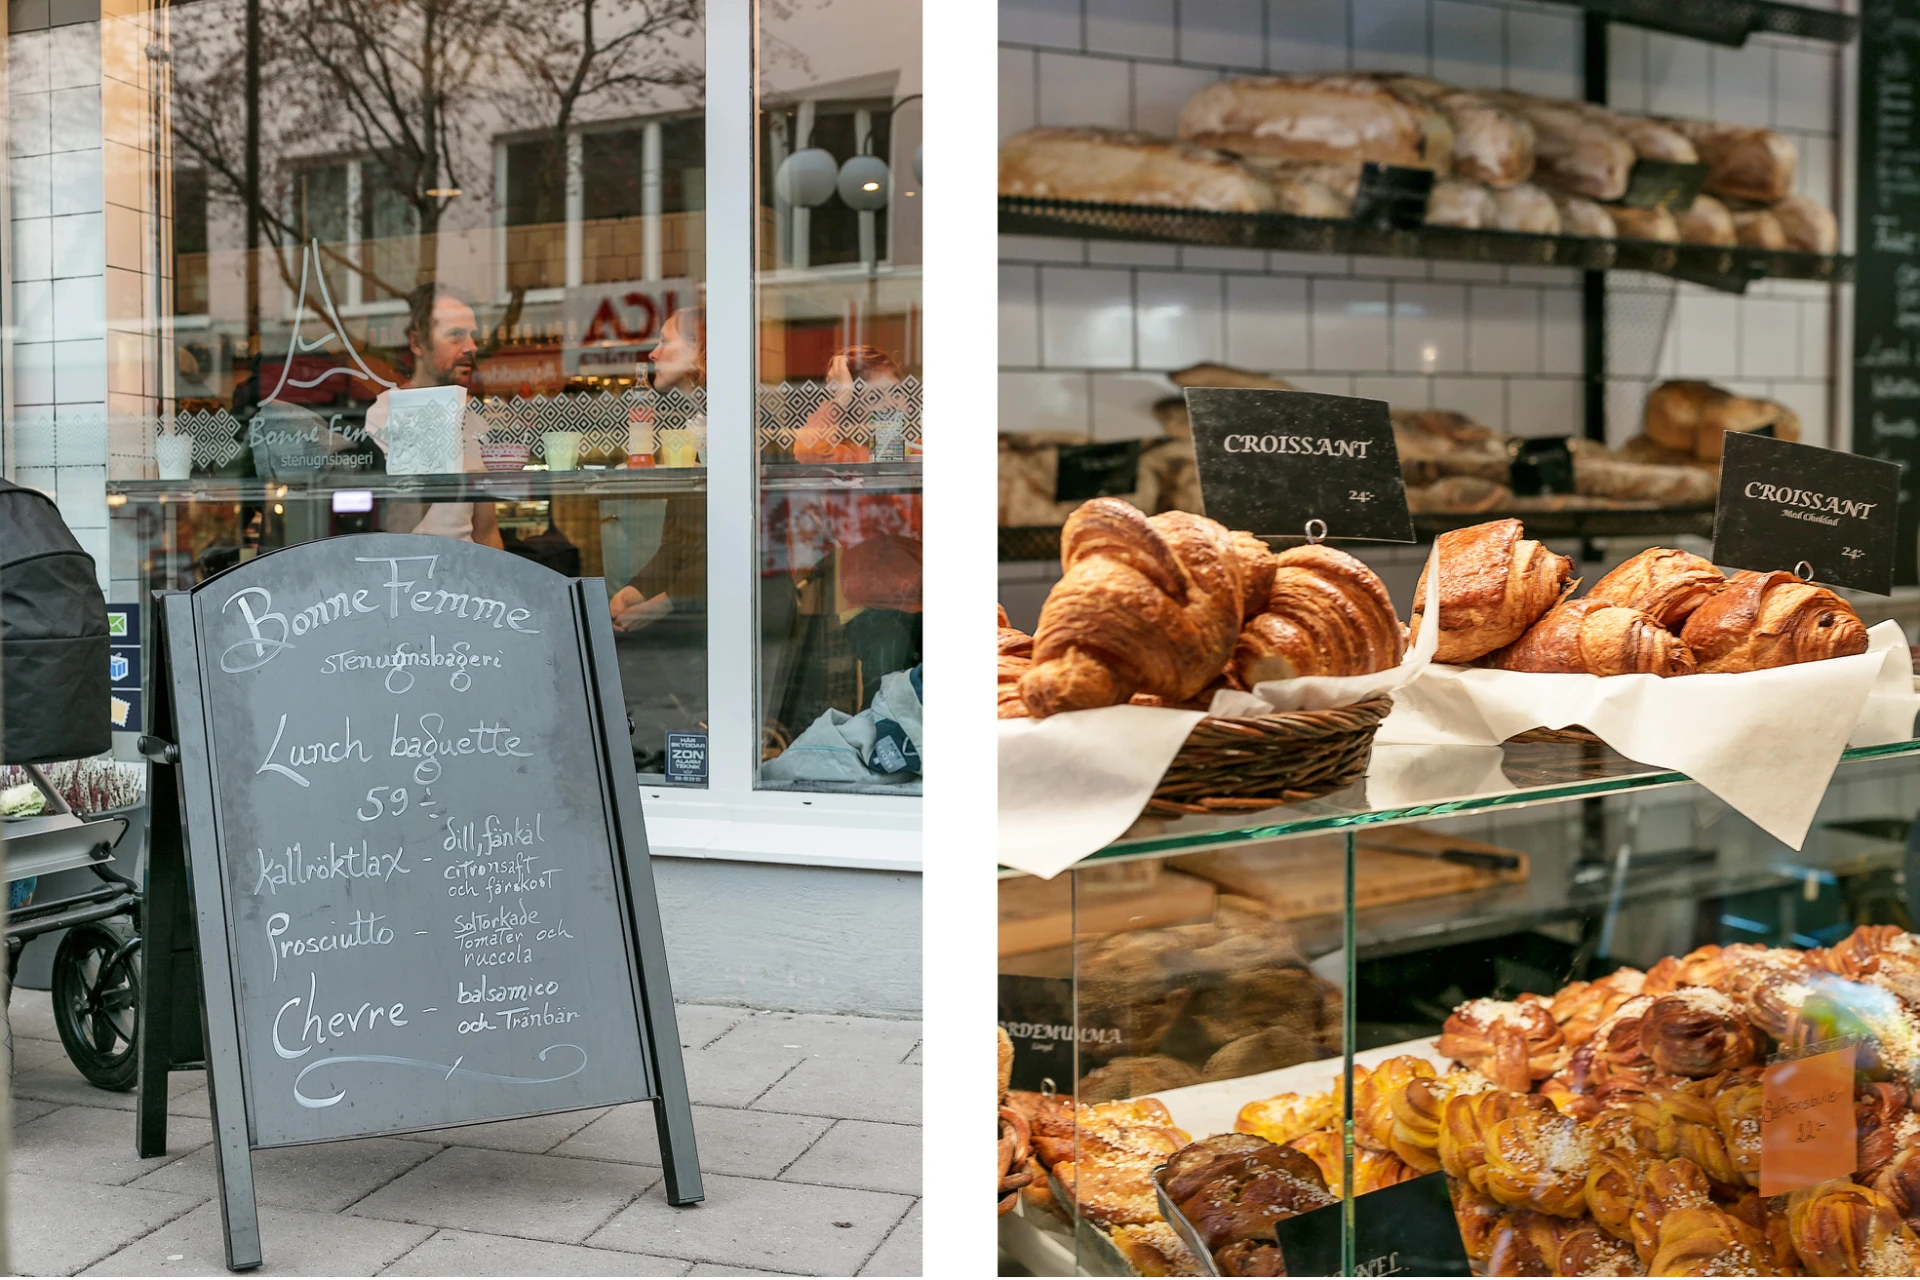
point(1307, 877)
point(1038, 914)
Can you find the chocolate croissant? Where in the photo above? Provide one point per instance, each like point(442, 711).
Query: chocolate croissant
point(1594, 637)
point(1144, 606)
point(1328, 614)
point(1663, 582)
point(1766, 620)
point(1494, 584)
point(1016, 659)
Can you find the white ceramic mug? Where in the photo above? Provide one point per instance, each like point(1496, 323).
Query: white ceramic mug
point(174, 455)
point(563, 450)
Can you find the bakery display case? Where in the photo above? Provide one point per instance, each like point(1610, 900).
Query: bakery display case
point(1553, 999)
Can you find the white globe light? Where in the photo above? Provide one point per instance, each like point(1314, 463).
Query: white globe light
point(806, 178)
point(918, 178)
point(864, 182)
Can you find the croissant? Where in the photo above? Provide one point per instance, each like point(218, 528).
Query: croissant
point(1288, 1116)
point(1702, 1240)
point(1771, 620)
point(1539, 1160)
point(1328, 614)
point(1841, 1228)
point(1594, 637)
point(1494, 584)
point(1666, 1186)
point(1696, 1032)
point(1016, 658)
point(1143, 606)
point(1512, 1043)
point(1661, 581)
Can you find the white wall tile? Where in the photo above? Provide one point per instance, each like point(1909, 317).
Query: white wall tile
point(1267, 323)
point(1543, 52)
point(1352, 330)
point(1627, 67)
point(1814, 174)
point(1398, 392)
point(93, 540)
point(1708, 325)
point(29, 124)
point(1223, 259)
point(1482, 399)
point(1016, 92)
point(1041, 249)
point(83, 495)
point(1743, 85)
point(1086, 318)
point(1503, 329)
point(32, 311)
point(1769, 337)
point(1121, 253)
point(1679, 76)
point(1160, 91)
point(1309, 264)
point(1044, 402)
point(40, 478)
point(1564, 277)
point(76, 183)
point(1815, 356)
point(30, 178)
point(1430, 328)
point(1229, 33)
point(1390, 35)
point(1123, 405)
point(1177, 319)
point(1465, 271)
point(80, 371)
point(1389, 268)
point(1307, 35)
point(1809, 400)
point(73, 56)
point(33, 372)
point(1019, 317)
point(1046, 22)
point(1140, 28)
point(1466, 44)
point(33, 249)
point(1079, 90)
point(1544, 406)
point(79, 244)
point(1562, 331)
point(1803, 79)
point(1326, 384)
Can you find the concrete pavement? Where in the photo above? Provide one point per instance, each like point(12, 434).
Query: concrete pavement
point(809, 1133)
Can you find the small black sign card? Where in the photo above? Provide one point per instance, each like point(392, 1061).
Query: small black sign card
point(1110, 469)
point(1407, 1229)
point(1663, 184)
point(1037, 1015)
point(1392, 196)
point(1797, 506)
point(1272, 461)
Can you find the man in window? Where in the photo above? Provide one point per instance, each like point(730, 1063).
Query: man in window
point(443, 335)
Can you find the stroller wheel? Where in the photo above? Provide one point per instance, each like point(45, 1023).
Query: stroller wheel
point(96, 1002)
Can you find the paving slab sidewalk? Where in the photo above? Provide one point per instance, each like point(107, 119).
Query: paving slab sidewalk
point(809, 1128)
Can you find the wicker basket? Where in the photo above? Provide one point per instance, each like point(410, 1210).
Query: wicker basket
point(1241, 763)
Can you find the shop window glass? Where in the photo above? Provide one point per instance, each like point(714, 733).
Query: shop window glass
point(839, 400)
point(307, 221)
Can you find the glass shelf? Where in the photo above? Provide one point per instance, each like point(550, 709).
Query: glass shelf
point(1426, 783)
point(1729, 270)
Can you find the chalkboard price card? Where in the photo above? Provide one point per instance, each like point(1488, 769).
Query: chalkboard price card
point(1663, 184)
point(1271, 462)
point(1407, 1229)
point(1109, 469)
point(407, 823)
point(1794, 506)
point(1886, 295)
point(1392, 196)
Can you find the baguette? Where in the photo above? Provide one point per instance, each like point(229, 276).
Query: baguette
point(1325, 117)
point(1491, 143)
point(1742, 162)
point(1574, 150)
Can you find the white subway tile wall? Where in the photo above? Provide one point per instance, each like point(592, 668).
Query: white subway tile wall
point(1088, 329)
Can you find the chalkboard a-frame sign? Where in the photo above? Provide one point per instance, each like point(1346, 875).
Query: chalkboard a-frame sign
point(402, 861)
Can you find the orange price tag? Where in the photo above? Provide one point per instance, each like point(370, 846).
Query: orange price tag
point(1806, 1122)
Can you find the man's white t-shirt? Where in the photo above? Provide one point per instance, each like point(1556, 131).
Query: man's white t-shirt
point(443, 519)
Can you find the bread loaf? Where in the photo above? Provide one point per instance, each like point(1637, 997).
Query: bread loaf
point(1653, 140)
point(1225, 375)
point(1110, 166)
point(1323, 117)
point(1595, 637)
point(1601, 473)
point(1572, 149)
point(1694, 417)
point(1459, 495)
point(1706, 221)
point(1455, 202)
point(1759, 229)
point(1313, 188)
point(1525, 207)
point(1743, 162)
point(1491, 143)
point(1763, 620)
point(1808, 225)
point(1494, 584)
point(1580, 216)
point(1328, 614)
point(1645, 224)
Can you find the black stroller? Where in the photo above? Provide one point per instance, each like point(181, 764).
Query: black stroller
point(54, 682)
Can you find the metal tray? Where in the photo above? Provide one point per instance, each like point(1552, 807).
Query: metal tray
point(1181, 1227)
